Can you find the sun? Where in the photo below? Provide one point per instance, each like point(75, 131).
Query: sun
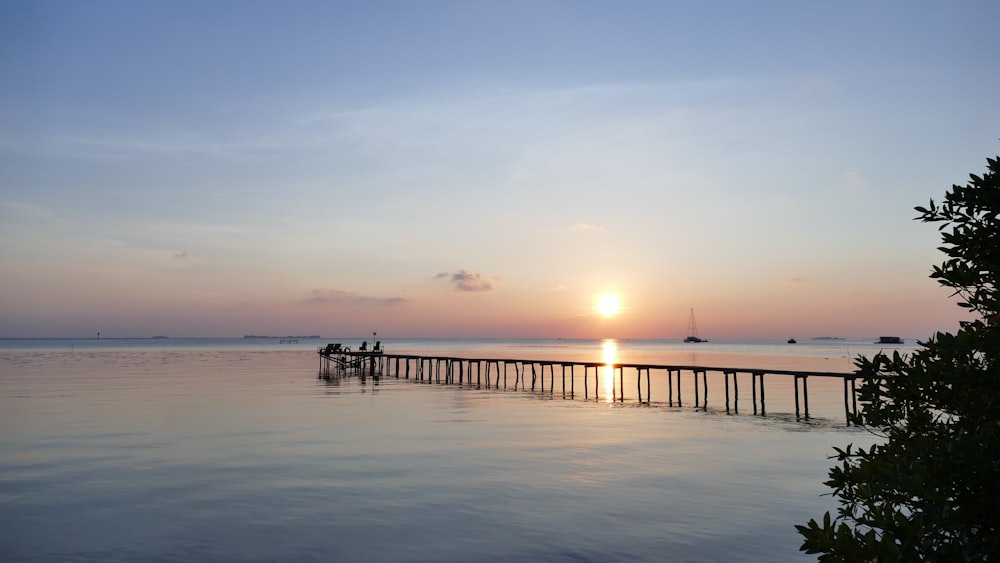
point(608, 305)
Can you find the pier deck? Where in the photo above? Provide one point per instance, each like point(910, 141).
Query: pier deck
point(491, 373)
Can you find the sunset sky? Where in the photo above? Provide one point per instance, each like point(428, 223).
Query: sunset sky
point(490, 169)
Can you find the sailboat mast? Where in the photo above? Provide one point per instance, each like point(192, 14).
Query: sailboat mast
point(693, 330)
point(692, 325)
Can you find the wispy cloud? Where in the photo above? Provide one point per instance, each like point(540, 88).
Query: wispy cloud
point(798, 281)
point(854, 181)
point(463, 280)
point(585, 228)
point(352, 298)
point(181, 255)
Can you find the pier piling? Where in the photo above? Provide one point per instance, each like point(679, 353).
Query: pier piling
point(336, 361)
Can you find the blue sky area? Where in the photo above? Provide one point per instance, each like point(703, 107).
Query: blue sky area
point(485, 168)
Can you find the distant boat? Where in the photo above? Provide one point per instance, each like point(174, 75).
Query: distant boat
point(890, 340)
point(693, 330)
point(792, 341)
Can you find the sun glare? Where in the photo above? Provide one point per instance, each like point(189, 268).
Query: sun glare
point(608, 305)
point(610, 349)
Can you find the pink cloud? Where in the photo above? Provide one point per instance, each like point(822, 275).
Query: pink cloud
point(463, 280)
point(352, 298)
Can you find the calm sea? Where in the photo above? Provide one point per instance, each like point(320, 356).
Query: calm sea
point(234, 450)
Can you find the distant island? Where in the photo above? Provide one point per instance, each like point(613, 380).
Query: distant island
point(827, 338)
point(281, 337)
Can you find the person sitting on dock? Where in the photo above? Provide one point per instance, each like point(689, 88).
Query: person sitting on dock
point(330, 349)
point(364, 347)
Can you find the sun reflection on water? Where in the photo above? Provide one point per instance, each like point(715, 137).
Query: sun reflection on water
point(610, 358)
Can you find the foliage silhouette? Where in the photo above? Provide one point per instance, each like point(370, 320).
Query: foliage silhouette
point(929, 490)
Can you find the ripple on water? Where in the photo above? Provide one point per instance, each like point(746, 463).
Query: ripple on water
point(192, 456)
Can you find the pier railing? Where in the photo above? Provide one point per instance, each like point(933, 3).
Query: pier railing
point(491, 373)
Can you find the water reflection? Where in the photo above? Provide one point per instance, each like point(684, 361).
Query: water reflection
point(610, 356)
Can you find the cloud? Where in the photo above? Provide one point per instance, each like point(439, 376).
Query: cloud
point(340, 296)
point(463, 280)
point(854, 181)
point(181, 255)
point(797, 281)
point(585, 228)
point(813, 85)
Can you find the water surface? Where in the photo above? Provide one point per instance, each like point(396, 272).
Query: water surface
point(239, 453)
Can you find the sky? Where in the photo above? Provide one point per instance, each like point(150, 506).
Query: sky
point(485, 169)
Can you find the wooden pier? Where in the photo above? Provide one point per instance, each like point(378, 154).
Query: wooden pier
point(493, 373)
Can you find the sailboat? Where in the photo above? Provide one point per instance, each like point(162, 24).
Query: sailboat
point(693, 330)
